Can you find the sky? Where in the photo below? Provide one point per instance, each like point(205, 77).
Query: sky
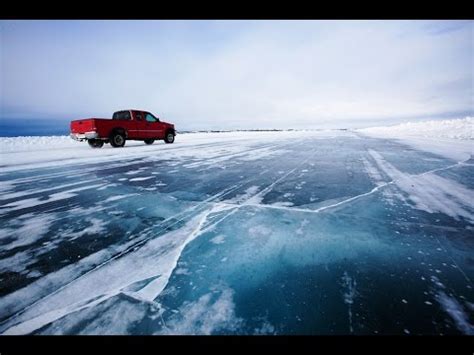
point(209, 74)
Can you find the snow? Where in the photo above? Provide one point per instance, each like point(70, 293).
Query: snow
point(126, 311)
point(453, 129)
point(373, 172)
point(450, 138)
point(31, 229)
point(349, 296)
point(251, 191)
point(456, 311)
point(220, 239)
point(35, 202)
point(141, 178)
point(453, 139)
point(205, 316)
point(430, 192)
point(96, 227)
point(16, 152)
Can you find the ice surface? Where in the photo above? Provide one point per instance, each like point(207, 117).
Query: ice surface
point(300, 232)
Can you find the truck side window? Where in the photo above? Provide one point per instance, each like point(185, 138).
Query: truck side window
point(121, 115)
point(138, 116)
point(150, 118)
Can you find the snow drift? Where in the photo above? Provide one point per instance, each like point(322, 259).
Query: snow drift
point(453, 139)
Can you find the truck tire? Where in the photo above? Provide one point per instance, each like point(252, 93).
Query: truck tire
point(169, 137)
point(149, 141)
point(95, 143)
point(117, 140)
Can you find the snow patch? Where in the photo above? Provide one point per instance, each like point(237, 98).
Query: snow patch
point(118, 197)
point(251, 191)
point(453, 129)
point(96, 227)
point(141, 178)
point(212, 312)
point(349, 295)
point(456, 311)
point(31, 229)
point(429, 192)
point(259, 231)
point(218, 240)
point(453, 139)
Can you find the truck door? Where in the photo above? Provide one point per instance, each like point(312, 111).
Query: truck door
point(140, 125)
point(126, 121)
point(154, 128)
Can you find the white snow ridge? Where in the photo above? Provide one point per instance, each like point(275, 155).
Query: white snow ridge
point(453, 139)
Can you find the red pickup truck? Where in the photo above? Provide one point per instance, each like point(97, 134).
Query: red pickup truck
point(127, 124)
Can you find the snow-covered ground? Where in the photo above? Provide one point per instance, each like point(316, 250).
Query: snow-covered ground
point(298, 232)
point(450, 138)
point(43, 151)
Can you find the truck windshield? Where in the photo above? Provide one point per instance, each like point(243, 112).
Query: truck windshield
point(121, 115)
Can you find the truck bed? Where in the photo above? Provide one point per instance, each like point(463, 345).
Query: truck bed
point(87, 124)
point(97, 127)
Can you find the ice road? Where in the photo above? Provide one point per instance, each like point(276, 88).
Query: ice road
point(316, 232)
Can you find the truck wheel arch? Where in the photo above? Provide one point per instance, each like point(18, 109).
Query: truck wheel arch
point(120, 130)
point(168, 138)
point(114, 139)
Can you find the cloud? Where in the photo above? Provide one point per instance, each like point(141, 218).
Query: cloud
point(240, 74)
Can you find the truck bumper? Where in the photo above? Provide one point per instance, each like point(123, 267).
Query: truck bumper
point(84, 136)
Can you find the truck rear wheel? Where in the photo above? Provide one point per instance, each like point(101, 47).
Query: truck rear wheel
point(169, 138)
point(149, 141)
point(117, 140)
point(95, 143)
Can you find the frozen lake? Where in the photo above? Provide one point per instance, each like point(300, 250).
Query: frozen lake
point(326, 232)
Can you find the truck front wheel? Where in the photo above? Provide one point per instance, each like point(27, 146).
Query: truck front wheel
point(117, 140)
point(149, 141)
point(169, 138)
point(95, 143)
